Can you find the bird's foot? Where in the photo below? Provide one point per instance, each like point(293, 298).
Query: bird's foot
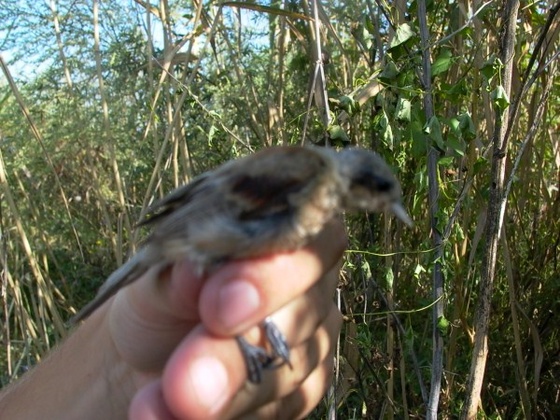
point(278, 344)
point(257, 359)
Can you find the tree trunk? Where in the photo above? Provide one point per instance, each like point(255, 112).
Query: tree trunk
point(495, 217)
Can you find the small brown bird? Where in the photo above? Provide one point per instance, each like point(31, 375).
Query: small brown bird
point(275, 200)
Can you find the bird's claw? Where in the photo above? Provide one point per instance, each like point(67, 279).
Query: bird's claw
point(257, 359)
point(277, 342)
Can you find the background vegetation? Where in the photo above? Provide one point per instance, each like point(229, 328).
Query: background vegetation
point(106, 106)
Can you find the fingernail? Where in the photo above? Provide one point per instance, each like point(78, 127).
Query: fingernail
point(210, 383)
point(238, 301)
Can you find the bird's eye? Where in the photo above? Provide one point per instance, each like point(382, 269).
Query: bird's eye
point(383, 184)
point(373, 181)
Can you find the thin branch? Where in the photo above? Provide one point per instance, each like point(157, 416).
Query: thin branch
point(319, 83)
point(433, 194)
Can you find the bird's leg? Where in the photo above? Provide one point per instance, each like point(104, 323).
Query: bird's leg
point(278, 344)
point(257, 359)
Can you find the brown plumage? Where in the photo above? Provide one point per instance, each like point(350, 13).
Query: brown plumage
point(275, 200)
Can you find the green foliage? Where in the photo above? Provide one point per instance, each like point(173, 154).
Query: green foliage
point(442, 63)
point(106, 149)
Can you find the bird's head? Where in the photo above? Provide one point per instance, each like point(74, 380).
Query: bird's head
point(370, 183)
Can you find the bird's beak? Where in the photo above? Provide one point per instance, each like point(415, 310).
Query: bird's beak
point(401, 213)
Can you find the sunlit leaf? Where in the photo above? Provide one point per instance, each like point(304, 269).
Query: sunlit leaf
point(443, 326)
point(402, 112)
point(404, 33)
point(433, 130)
point(500, 98)
point(336, 132)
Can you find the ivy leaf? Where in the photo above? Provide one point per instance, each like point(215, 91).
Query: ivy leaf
point(455, 125)
point(487, 69)
point(402, 112)
point(442, 63)
point(389, 72)
point(433, 130)
point(479, 165)
point(418, 139)
point(386, 131)
point(466, 125)
point(349, 104)
point(337, 134)
point(491, 68)
point(366, 269)
point(419, 270)
point(500, 98)
point(404, 33)
point(446, 161)
point(456, 144)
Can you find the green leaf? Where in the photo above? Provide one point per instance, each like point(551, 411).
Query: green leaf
point(337, 133)
point(348, 104)
point(456, 144)
point(443, 326)
point(409, 334)
point(433, 130)
point(466, 126)
point(369, 25)
point(366, 269)
point(479, 165)
point(386, 130)
point(418, 270)
point(443, 62)
point(491, 68)
point(402, 113)
point(389, 278)
point(500, 98)
point(404, 33)
point(446, 161)
point(487, 70)
point(419, 148)
point(455, 125)
point(389, 72)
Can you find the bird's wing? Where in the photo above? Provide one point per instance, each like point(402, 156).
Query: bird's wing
point(268, 182)
point(242, 208)
point(251, 188)
point(176, 199)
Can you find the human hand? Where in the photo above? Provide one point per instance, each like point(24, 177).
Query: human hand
point(176, 334)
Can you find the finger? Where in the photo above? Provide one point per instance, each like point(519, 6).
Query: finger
point(207, 372)
point(300, 318)
point(146, 319)
point(151, 316)
point(166, 293)
point(148, 404)
point(244, 292)
point(202, 375)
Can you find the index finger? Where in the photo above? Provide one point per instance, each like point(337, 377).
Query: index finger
point(243, 293)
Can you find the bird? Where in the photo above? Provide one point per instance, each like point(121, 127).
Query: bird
point(275, 200)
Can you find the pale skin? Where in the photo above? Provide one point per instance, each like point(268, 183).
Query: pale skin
point(164, 347)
